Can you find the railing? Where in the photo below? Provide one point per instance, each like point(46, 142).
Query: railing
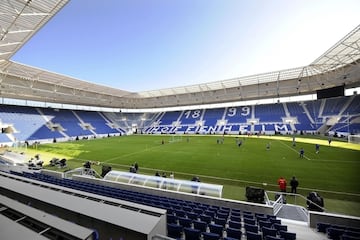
point(278, 205)
point(283, 197)
point(83, 172)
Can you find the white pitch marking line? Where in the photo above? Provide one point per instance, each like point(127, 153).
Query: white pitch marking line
point(292, 149)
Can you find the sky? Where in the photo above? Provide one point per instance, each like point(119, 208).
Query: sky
point(140, 45)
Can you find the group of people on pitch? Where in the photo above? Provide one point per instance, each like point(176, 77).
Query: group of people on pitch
point(294, 183)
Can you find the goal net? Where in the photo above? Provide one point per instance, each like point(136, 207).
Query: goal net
point(175, 138)
point(354, 139)
point(21, 146)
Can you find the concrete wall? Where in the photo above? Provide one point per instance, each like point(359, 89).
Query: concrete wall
point(335, 219)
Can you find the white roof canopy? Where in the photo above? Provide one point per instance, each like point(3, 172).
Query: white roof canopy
point(20, 20)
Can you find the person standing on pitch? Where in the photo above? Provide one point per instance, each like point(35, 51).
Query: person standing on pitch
point(294, 141)
point(302, 153)
point(282, 184)
point(267, 146)
point(317, 148)
point(294, 183)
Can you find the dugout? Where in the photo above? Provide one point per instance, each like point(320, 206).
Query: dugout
point(176, 185)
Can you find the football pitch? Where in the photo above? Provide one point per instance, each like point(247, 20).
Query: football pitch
point(333, 172)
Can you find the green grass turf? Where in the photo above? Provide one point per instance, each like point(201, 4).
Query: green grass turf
point(334, 172)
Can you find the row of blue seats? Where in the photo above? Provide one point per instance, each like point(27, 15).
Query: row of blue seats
point(337, 232)
point(168, 203)
point(223, 217)
point(179, 212)
point(216, 232)
point(263, 225)
point(31, 125)
point(331, 107)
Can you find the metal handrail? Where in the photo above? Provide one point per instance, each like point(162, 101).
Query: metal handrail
point(298, 195)
point(82, 171)
point(278, 205)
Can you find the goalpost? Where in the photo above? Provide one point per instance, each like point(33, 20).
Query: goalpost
point(354, 139)
point(21, 146)
point(175, 138)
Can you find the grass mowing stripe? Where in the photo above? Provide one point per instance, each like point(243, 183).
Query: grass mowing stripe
point(233, 180)
point(331, 172)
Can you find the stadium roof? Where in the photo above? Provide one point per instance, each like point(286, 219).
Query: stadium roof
point(20, 20)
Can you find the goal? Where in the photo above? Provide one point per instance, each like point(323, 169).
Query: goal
point(354, 139)
point(175, 138)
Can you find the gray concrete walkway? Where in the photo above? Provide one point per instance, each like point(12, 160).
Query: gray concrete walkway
point(303, 231)
point(293, 212)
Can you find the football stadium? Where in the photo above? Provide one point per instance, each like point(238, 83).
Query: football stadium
point(271, 156)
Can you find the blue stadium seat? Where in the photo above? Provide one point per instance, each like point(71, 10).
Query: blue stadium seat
point(220, 221)
point(353, 232)
point(210, 236)
point(335, 232)
point(224, 209)
point(174, 230)
point(253, 236)
point(280, 227)
point(192, 234)
point(273, 238)
point(287, 235)
point(248, 214)
point(251, 221)
point(202, 226)
point(222, 214)
point(213, 208)
point(187, 209)
point(271, 217)
point(233, 224)
point(235, 218)
point(235, 212)
point(261, 217)
point(192, 215)
point(170, 218)
point(349, 237)
point(275, 221)
point(95, 234)
point(251, 228)
point(215, 228)
point(230, 238)
point(205, 218)
point(180, 213)
point(185, 222)
point(210, 213)
point(233, 233)
point(198, 211)
point(262, 224)
point(266, 231)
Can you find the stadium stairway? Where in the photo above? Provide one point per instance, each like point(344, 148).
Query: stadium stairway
point(302, 230)
point(293, 212)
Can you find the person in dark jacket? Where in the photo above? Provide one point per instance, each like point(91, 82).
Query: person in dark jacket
point(294, 183)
